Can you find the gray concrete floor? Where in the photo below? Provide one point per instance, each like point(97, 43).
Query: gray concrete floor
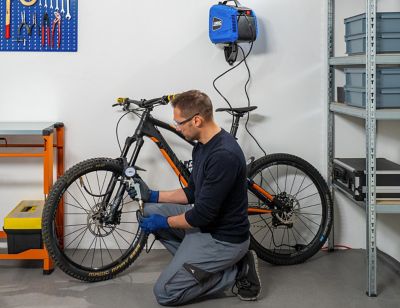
point(335, 279)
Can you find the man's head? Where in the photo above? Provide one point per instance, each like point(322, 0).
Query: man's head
point(193, 113)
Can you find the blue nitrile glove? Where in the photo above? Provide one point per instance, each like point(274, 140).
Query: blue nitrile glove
point(146, 193)
point(153, 223)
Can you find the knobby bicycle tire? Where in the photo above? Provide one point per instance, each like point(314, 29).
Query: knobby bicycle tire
point(296, 234)
point(56, 240)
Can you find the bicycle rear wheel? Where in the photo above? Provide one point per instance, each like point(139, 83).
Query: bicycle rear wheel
point(85, 246)
point(295, 233)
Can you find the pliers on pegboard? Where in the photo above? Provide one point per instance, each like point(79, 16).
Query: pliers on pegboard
point(45, 29)
point(23, 24)
point(56, 21)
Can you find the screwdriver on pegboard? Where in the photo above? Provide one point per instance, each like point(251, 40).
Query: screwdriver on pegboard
point(8, 19)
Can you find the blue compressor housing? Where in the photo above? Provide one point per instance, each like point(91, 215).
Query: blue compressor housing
point(232, 24)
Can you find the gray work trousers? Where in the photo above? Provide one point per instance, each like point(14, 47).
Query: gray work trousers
point(201, 266)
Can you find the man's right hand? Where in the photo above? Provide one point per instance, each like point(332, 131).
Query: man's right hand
point(147, 195)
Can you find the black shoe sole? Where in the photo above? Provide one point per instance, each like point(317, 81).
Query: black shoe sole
point(259, 280)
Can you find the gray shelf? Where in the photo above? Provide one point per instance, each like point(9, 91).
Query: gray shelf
point(382, 59)
point(380, 114)
point(382, 207)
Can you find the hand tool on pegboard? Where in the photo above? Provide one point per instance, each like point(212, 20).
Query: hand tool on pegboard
point(57, 8)
point(8, 19)
point(45, 29)
point(68, 16)
point(23, 25)
point(28, 2)
point(56, 22)
point(33, 24)
point(62, 7)
point(20, 40)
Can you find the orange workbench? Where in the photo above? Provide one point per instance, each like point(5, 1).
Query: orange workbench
point(52, 136)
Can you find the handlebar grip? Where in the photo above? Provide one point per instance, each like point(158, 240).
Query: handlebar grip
point(168, 98)
point(122, 100)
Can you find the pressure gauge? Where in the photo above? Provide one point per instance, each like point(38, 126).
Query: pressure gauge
point(130, 172)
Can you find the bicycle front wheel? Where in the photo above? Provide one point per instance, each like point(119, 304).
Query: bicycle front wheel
point(74, 227)
point(298, 230)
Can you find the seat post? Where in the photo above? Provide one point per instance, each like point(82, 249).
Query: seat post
point(235, 125)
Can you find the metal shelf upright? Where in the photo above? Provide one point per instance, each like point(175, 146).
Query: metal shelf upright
point(371, 115)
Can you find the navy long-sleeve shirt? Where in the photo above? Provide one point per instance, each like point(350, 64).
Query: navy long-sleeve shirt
point(217, 187)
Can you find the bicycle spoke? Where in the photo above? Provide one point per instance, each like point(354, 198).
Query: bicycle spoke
point(94, 250)
point(84, 257)
point(75, 238)
point(262, 219)
point(305, 225)
point(90, 189)
point(74, 232)
point(112, 260)
point(294, 228)
point(295, 174)
point(122, 237)
point(295, 239)
point(77, 246)
point(301, 185)
point(309, 219)
point(283, 235)
point(125, 231)
point(101, 253)
point(287, 167)
point(300, 213)
point(275, 193)
point(84, 196)
point(77, 202)
point(116, 241)
point(308, 206)
point(75, 225)
point(303, 189)
point(307, 196)
point(266, 233)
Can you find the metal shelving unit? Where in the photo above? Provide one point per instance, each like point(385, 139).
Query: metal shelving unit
point(371, 115)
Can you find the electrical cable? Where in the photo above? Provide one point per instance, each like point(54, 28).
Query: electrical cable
point(248, 100)
point(116, 128)
point(245, 88)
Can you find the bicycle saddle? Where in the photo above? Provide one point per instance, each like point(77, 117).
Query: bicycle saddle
point(239, 111)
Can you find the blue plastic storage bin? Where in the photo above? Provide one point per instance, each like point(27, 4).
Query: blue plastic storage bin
point(388, 33)
point(387, 87)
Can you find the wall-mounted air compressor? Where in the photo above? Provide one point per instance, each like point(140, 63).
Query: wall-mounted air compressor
point(230, 25)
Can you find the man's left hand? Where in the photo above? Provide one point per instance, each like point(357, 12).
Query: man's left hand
point(153, 223)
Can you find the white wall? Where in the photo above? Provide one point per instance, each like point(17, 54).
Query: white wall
point(147, 49)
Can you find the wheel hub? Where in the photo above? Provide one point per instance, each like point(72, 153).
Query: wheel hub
point(96, 224)
point(286, 215)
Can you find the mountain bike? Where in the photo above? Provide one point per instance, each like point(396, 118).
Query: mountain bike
point(90, 223)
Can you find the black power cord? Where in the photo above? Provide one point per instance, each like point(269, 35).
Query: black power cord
point(245, 89)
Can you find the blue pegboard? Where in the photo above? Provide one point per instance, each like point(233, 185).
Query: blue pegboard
point(69, 28)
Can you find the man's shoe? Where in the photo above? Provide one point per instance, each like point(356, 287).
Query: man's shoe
point(248, 280)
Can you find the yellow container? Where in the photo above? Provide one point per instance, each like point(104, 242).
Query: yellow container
point(24, 226)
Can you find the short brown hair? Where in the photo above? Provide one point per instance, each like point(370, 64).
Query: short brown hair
point(192, 102)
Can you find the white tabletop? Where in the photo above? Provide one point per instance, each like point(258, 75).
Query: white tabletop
point(27, 128)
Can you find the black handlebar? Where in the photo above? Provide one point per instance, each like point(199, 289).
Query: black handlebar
point(125, 101)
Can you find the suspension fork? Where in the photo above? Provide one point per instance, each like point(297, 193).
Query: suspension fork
point(122, 187)
point(264, 196)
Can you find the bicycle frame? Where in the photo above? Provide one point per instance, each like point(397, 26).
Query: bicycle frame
point(147, 127)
